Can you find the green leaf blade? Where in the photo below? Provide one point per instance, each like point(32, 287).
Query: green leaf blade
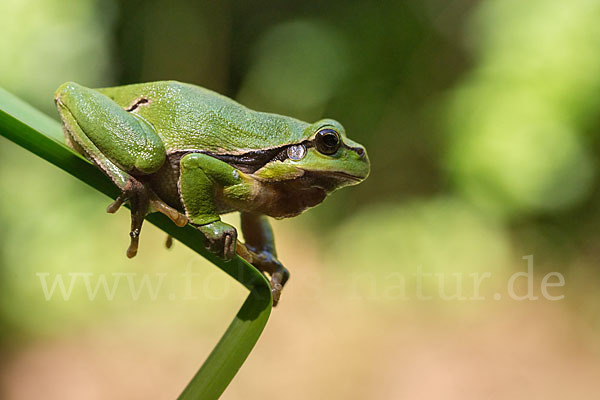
point(40, 134)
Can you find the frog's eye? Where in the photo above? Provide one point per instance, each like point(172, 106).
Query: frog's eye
point(327, 141)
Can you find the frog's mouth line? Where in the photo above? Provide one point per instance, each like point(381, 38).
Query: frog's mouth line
point(330, 180)
point(344, 176)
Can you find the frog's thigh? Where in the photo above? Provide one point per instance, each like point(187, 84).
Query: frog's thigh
point(200, 174)
point(106, 132)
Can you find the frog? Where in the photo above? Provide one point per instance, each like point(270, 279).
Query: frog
point(194, 155)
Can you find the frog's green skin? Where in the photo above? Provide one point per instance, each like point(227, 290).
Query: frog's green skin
point(193, 154)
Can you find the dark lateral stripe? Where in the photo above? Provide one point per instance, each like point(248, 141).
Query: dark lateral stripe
point(252, 161)
point(249, 162)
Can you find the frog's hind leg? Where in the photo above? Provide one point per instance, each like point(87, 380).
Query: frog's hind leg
point(260, 251)
point(124, 146)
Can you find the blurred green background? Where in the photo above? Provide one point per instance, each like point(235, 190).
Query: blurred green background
point(482, 122)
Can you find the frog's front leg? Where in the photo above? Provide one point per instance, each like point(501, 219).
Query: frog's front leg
point(200, 178)
point(259, 238)
point(124, 146)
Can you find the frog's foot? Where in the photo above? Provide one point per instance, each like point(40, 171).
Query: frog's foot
point(156, 204)
point(221, 238)
point(142, 201)
point(266, 262)
point(279, 274)
point(138, 197)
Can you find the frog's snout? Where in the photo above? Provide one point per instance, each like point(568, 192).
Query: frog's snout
point(361, 167)
point(63, 91)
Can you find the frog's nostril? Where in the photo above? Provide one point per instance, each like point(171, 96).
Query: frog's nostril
point(361, 152)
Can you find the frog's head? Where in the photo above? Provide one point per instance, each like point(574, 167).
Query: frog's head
point(305, 172)
point(325, 159)
point(329, 156)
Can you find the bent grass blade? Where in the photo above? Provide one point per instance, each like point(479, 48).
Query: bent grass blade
point(41, 135)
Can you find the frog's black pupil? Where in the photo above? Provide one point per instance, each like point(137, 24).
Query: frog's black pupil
point(327, 141)
point(330, 139)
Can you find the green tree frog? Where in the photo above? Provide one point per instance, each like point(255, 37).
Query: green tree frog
point(193, 155)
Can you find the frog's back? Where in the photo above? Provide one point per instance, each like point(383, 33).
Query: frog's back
point(190, 117)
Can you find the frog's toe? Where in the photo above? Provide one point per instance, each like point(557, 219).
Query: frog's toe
point(137, 219)
point(229, 243)
point(224, 246)
point(169, 242)
point(138, 197)
point(221, 239)
point(276, 292)
point(115, 205)
point(278, 279)
point(133, 245)
point(178, 218)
